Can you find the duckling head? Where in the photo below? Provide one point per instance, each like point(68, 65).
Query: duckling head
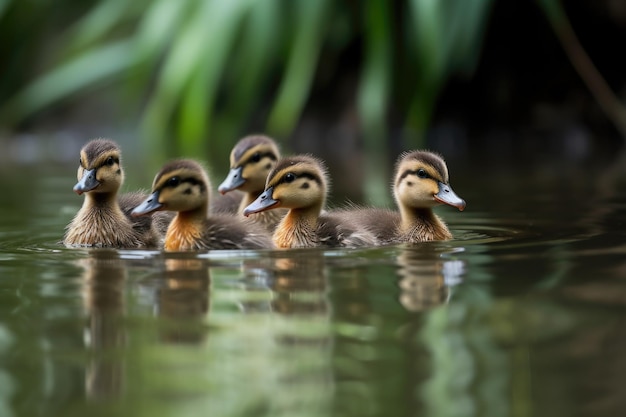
point(298, 182)
point(100, 170)
point(181, 185)
point(251, 160)
point(421, 181)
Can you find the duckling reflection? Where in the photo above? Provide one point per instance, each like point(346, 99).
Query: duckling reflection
point(183, 298)
point(295, 282)
point(300, 302)
point(426, 278)
point(299, 283)
point(103, 282)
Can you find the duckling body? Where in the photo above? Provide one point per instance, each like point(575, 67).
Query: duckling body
point(103, 219)
point(383, 223)
point(299, 184)
point(251, 160)
point(226, 203)
point(421, 182)
point(183, 186)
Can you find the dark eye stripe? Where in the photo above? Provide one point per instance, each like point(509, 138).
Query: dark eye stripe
point(192, 181)
point(269, 155)
point(421, 173)
point(110, 161)
point(301, 175)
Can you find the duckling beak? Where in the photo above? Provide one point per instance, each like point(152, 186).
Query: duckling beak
point(233, 180)
point(148, 205)
point(87, 183)
point(262, 203)
point(449, 197)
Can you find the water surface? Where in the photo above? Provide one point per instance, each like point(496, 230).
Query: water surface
point(522, 314)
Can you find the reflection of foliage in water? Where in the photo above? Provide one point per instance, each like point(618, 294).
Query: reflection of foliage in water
point(480, 352)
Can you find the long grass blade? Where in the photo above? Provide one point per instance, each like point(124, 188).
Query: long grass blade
point(218, 28)
point(303, 62)
point(373, 94)
point(86, 70)
point(375, 79)
point(103, 19)
point(4, 4)
point(447, 37)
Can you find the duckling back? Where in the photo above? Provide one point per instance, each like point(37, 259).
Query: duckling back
point(335, 230)
point(218, 231)
point(381, 222)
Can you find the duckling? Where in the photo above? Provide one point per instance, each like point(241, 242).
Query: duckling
point(300, 184)
point(421, 182)
point(251, 160)
point(103, 219)
point(225, 203)
point(183, 186)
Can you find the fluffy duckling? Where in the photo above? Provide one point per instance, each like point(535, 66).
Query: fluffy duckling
point(183, 186)
point(421, 182)
point(300, 184)
point(103, 219)
point(251, 160)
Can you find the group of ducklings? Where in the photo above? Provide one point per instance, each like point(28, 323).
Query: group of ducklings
point(280, 204)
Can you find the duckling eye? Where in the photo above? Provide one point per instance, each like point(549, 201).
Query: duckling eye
point(173, 182)
point(421, 173)
point(290, 177)
point(256, 157)
point(110, 161)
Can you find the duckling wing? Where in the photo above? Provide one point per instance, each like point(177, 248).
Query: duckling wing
point(128, 202)
point(226, 203)
point(335, 230)
point(223, 231)
point(381, 222)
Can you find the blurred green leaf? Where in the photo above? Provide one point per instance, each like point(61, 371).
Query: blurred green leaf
point(375, 79)
point(303, 60)
point(101, 21)
point(254, 56)
point(159, 25)
point(219, 30)
point(3, 6)
point(210, 67)
point(448, 38)
point(68, 79)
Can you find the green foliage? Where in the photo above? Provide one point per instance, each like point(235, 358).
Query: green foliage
point(204, 69)
point(448, 37)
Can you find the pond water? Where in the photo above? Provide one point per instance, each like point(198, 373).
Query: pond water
point(523, 314)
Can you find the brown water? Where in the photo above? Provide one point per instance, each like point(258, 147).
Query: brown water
point(523, 314)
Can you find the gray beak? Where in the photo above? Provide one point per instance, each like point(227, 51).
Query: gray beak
point(148, 206)
point(87, 183)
